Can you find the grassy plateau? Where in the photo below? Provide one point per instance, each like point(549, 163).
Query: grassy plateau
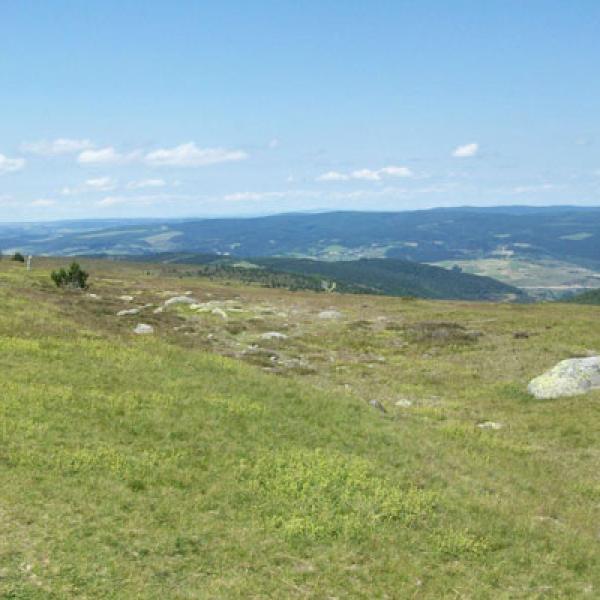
point(386, 448)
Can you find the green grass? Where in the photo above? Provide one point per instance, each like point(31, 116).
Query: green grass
point(157, 467)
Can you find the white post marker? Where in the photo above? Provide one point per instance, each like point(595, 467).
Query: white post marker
point(29, 262)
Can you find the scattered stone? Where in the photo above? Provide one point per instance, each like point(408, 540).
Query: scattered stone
point(94, 296)
point(219, 312)
point(568, 378)
point(490, 425)
point(180, 300)
point(128, 311)
point(158, 310)
point(126, 298)
point(143, 329)
point(330, 314)
point(520, 335)
point(273, 335)
point(376, 404)
point(404, 403)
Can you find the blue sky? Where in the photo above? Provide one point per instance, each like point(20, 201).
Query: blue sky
point(190, 108)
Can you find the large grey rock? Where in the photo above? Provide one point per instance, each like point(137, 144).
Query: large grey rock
point(568, 378)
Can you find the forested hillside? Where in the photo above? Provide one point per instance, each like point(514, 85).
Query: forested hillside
point(591, 297)
point(395, 277)
point(392, 277)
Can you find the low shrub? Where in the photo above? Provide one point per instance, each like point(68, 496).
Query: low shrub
point(73, 277)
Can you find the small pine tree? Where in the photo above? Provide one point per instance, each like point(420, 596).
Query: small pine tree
point(74, 277)
point(18, 257)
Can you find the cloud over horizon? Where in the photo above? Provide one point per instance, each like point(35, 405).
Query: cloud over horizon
point(10, 165)
point(366, 174)
point(190, 155)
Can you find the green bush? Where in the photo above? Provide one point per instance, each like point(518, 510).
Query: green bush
point(18, 257)
point(74, 277)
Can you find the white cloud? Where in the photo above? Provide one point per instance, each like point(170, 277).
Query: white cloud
point(396, 171)
point(112, 200)
point(43, 202)
point(10, 165)
point(104, 156)
point(274, 143)
point(96, 184)
point(466, 151)
point(56, 147)
point(190, 155)
point(333, 176)
point(101, 184)
point(146, 183)
point(368, 193)
point(184, 155)
point(367, 174)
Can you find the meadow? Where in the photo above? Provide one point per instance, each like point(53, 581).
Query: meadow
point(386, 449)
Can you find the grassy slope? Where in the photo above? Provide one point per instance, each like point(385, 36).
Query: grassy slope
point(146, 468)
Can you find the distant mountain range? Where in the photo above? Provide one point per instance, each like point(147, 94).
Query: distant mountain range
point(550, 252)
point(563, 233)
